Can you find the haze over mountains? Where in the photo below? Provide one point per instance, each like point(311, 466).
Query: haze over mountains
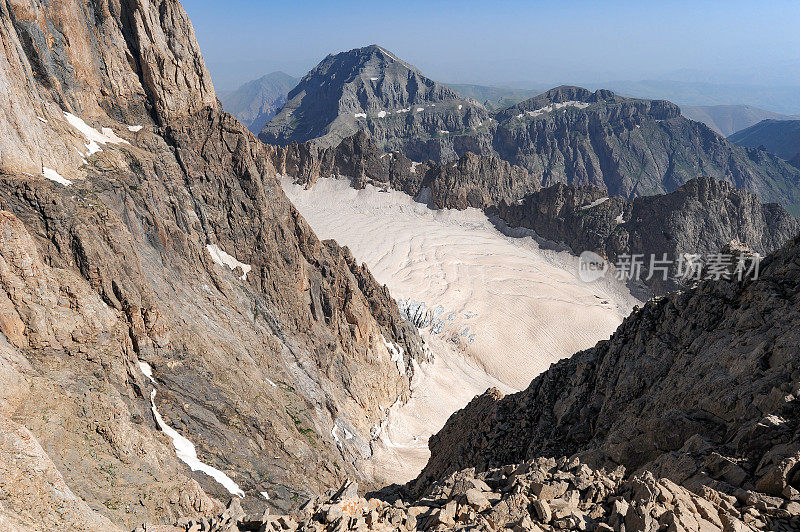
point(180, 351)
point(257, 101)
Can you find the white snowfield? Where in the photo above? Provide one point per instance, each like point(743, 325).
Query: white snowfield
point(438, 389)
point(223, 259)
point(526, 299)
point(52, 175)
point(509, 309)
point(95, 138)
point(184, 448)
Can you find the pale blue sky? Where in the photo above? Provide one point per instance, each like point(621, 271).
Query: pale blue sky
point(509, 42)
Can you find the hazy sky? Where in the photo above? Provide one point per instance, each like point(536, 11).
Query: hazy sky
point(509, 42)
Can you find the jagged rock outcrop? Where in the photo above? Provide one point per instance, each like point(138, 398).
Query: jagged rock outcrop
point(471, 181)
point(147, 246)
point(357, 157)
point(370, 89)
point(257, 101)
point(700, 217)
point(700, 387)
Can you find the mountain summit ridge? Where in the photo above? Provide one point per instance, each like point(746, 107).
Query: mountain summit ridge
point(370, 88)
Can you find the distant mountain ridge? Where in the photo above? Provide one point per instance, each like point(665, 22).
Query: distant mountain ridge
point(257, 101)
point(629, 146)
point(781, 137)
point(779, 99)
point(728, 119)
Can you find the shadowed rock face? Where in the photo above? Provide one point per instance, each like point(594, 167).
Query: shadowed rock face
point(630, 147)
point(254, 367)
point(781, 137)
point(702, 216)
point(700, 387)
point(370, 89)
point(471, 181)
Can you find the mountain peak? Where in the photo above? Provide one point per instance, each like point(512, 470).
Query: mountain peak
point(371, 89)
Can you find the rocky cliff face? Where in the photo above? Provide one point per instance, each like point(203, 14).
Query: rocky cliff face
point(699, 387)
point(372, 90)
point(257, 101)
point(630, 147)
point(153, 274)
point(471, 181)
point(700, 217)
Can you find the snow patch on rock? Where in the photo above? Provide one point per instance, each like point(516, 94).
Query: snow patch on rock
point(147, 371)
point(95, 138)
point(188, 455)
point(223, 259)
point(595, 203)
point(396, 353)
point(52, 175)
point(554, 107)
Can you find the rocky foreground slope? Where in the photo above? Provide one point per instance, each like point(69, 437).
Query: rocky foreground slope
point(158, 292)
point(685, 420)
